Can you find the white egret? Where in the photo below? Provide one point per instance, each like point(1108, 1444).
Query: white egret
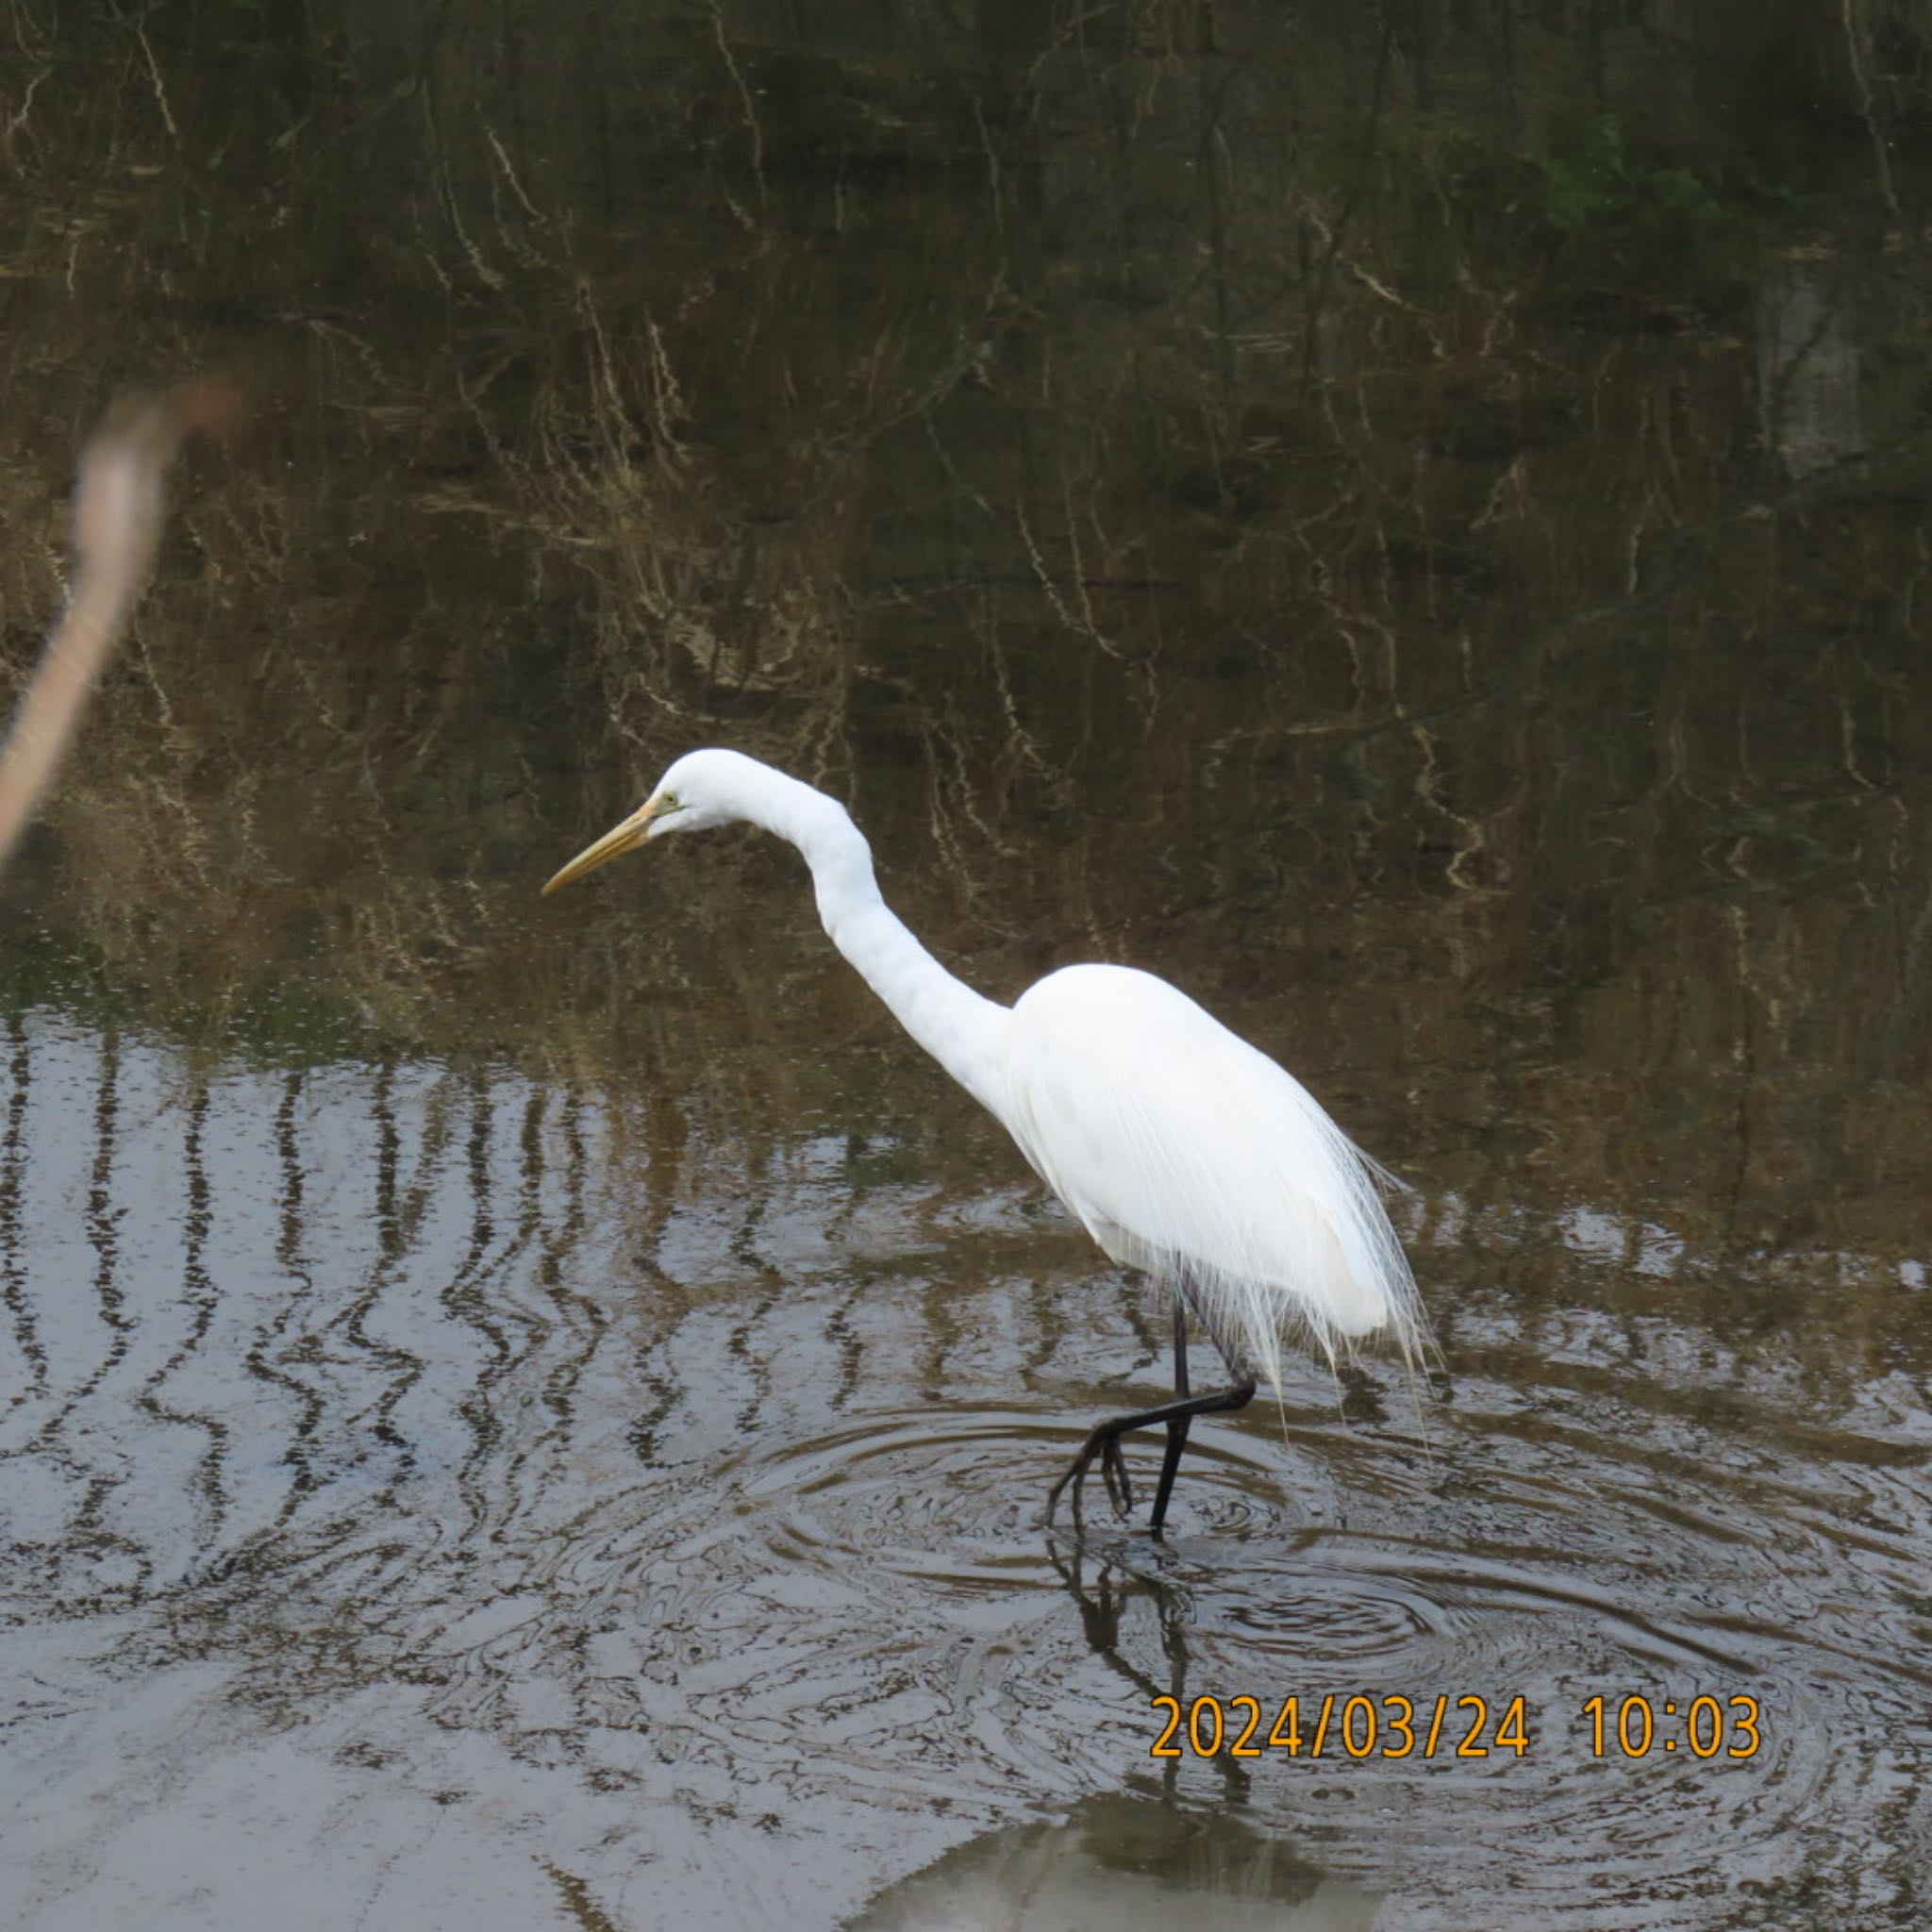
point(1180, 1147)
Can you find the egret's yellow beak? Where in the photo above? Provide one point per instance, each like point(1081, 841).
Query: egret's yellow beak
point(613, 844)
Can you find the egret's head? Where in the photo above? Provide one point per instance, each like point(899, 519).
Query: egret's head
point(703, 789)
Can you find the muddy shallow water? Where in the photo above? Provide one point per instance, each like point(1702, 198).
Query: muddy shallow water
point(521, 1412)
point(409, 1530)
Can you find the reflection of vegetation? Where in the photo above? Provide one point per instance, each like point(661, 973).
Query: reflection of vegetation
point(292, 1022)
point(1609, 205)
point(1472, 208)
point(1147, 467)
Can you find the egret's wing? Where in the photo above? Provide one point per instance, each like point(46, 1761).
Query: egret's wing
point(1178, 1144)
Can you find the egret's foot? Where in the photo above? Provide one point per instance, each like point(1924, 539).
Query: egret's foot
point(1105, 1443)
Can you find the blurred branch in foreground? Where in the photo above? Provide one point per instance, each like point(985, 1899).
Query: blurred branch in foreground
point(117, 525)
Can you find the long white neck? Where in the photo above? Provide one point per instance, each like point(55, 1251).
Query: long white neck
point(962, 1030)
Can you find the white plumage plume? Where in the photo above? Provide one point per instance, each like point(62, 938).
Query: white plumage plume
point(1182, 1148)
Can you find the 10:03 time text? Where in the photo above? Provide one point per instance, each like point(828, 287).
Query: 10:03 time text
point(1446, 1728)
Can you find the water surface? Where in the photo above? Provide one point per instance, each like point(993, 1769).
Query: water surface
point(521, 1412)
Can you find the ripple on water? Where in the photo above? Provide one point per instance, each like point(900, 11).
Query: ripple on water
point(798, 1593)
point(1525, 1561)
point(956, 1499)
point(928, 1503)
point(1284, 1611)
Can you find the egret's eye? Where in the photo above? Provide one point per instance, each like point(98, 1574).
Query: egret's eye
point(667, 802)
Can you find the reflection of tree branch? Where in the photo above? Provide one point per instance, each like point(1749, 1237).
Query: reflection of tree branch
point(1215, 157)
point(1318, 293)
point(1855, 49)
point(753, 131)
point(117, 523)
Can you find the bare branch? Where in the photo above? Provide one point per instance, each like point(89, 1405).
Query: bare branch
point(117, 524)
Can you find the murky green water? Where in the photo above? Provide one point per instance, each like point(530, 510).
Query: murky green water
point(523, 1412)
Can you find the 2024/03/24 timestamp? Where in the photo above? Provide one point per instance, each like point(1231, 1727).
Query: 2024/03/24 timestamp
point(1362, 1727)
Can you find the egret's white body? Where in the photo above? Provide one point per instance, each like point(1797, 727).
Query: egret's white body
point(1177, 1145)
point(1181, 1149)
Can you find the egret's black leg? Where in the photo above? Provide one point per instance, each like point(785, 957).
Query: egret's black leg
point(1104, 1442)
point(1177, 1429)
